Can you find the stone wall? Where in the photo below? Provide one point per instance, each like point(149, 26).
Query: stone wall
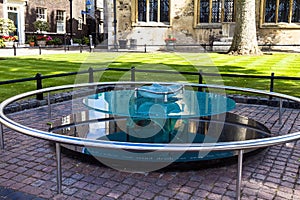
point(183, 29)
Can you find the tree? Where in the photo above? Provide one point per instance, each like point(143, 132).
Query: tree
point(244, 39)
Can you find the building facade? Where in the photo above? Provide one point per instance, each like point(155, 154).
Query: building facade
point(152, 21)
point(65, 17)
point(197, 21)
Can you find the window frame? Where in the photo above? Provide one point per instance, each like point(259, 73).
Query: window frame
point(61, 19)
point(197, 11)
point(147, 22)
point(80, 23)
point(41, 16)
point(277, 23)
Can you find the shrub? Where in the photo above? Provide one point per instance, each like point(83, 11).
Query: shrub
point(57, 41)
point(6, 26)
point(41, 25)
point(86, 40)
point(77, 40)
point(2, 45)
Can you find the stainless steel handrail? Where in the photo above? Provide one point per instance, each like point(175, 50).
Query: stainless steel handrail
point(237, 145)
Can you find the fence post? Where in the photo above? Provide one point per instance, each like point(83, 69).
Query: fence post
point(271, 84)
point(40, 50)
point(200, 80)
point(145, 48)
point(91, 75)
point(39, 86)
point(132, 74)
point(80, 48)
point(65, 42)
point(15, 49)
point(1, 137)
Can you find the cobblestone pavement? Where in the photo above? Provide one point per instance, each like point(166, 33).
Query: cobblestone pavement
point(27, 165)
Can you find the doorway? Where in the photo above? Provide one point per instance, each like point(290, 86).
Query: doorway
point(14, 17)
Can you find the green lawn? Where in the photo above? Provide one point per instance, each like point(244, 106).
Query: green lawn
point(27, 66)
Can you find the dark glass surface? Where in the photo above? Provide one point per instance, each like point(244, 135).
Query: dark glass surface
point(194, 130)
point(142, 10)
point(204, 11)
point(164, 11)
point(270, 11)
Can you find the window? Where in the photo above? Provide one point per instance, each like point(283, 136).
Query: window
point(216, 11)
point(153, 11)
point(296, 11)
point(10, 8)
point(276, 11)
point(80, 23)
point(60, 21)
point(41, 14)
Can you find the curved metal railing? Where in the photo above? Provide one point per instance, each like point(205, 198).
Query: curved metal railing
point(239, 146)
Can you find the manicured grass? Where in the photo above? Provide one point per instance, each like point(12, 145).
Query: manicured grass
point(27, 66)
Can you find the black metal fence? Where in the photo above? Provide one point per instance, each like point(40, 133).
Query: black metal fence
point(38, 78)
point(142, 48)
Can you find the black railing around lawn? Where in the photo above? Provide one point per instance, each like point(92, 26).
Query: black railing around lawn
point(39, 77)
point(145, 48)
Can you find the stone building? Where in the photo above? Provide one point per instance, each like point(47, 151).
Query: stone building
point(65, 17)
point(198, 21)
point(152, 21)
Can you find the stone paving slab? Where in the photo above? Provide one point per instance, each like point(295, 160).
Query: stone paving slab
point(28, 165)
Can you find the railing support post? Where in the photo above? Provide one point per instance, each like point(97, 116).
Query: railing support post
point(200, 80)
point(239, 174)
point(49, 106)
point(280, 111)
point(271, 84)
point(1, 137)
point(39, 86)
point(91, 75)
point(58, 168)
point(132, 74)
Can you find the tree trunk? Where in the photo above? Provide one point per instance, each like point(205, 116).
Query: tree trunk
point(244, 39)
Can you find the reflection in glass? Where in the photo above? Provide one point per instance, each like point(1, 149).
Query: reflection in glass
point(270, 11)
point(228, 10)
point(283, 11)
point(296, 11)
point(216, 11)
point(204, 11)
point(142, 10)
point(164, 11)
point(153, 10)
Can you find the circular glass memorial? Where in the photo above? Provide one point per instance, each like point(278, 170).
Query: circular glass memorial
point(158, 114)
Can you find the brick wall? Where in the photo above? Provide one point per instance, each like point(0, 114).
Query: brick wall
point(52, 7)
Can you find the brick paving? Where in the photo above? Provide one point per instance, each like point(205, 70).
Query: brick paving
point(27, 167)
